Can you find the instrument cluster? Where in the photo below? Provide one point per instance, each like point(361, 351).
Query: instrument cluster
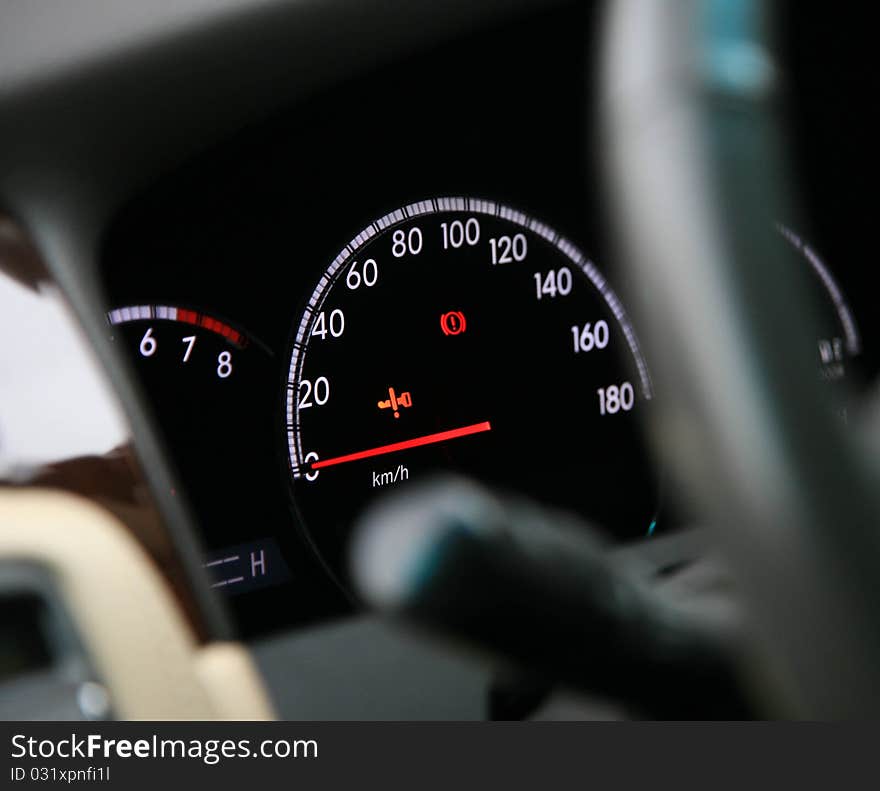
point(406, 275)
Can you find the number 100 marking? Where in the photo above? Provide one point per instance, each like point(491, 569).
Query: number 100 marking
point(458, 233)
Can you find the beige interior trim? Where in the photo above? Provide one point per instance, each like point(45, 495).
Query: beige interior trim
point(234, 686)
point(137, 638)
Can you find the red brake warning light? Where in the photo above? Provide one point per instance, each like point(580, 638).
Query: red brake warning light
point(453, 322)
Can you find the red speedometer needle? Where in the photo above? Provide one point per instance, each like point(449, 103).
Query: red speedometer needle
point(428, 439)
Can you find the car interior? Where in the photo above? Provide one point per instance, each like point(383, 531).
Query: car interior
point(488, 360)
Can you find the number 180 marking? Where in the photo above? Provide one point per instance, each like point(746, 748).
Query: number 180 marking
point(614, 399)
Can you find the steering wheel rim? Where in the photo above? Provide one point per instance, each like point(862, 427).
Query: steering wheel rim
point(692, 93)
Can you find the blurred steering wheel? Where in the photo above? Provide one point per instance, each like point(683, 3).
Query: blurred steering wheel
point(698, 166)
point(698, 178)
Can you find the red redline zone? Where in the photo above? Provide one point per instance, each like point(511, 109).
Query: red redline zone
point(427, 439)
point(210, 324)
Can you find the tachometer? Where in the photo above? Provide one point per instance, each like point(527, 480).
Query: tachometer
point(205, 378)
point(461, 334)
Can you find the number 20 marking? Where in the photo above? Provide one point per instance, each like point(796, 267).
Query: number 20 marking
point(320, 390)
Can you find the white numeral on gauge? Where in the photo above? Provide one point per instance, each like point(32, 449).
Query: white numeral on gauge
point(310, 457)
point(148, 343)
point(590, 336)
point(556, 281)
point(614, 399)
point(458, 233)
point(507, 249)
point(190, 341)
point(224, 365)
point(335, 324)
point(320, 391)
point(403, 242)
point(368, 275)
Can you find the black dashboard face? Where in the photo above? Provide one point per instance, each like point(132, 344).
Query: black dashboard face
point(243, 235)
point(211, 278)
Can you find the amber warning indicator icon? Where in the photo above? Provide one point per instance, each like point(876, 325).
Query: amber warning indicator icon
point(453, 323)
point(396, 402)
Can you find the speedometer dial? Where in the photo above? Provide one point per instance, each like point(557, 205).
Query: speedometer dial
point(460, 334)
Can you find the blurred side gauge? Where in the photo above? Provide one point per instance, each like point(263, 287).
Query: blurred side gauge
point(839, 344)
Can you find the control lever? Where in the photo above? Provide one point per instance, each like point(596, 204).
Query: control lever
point(540, 589)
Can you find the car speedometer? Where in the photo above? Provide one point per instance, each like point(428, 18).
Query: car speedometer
point(460, 334)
